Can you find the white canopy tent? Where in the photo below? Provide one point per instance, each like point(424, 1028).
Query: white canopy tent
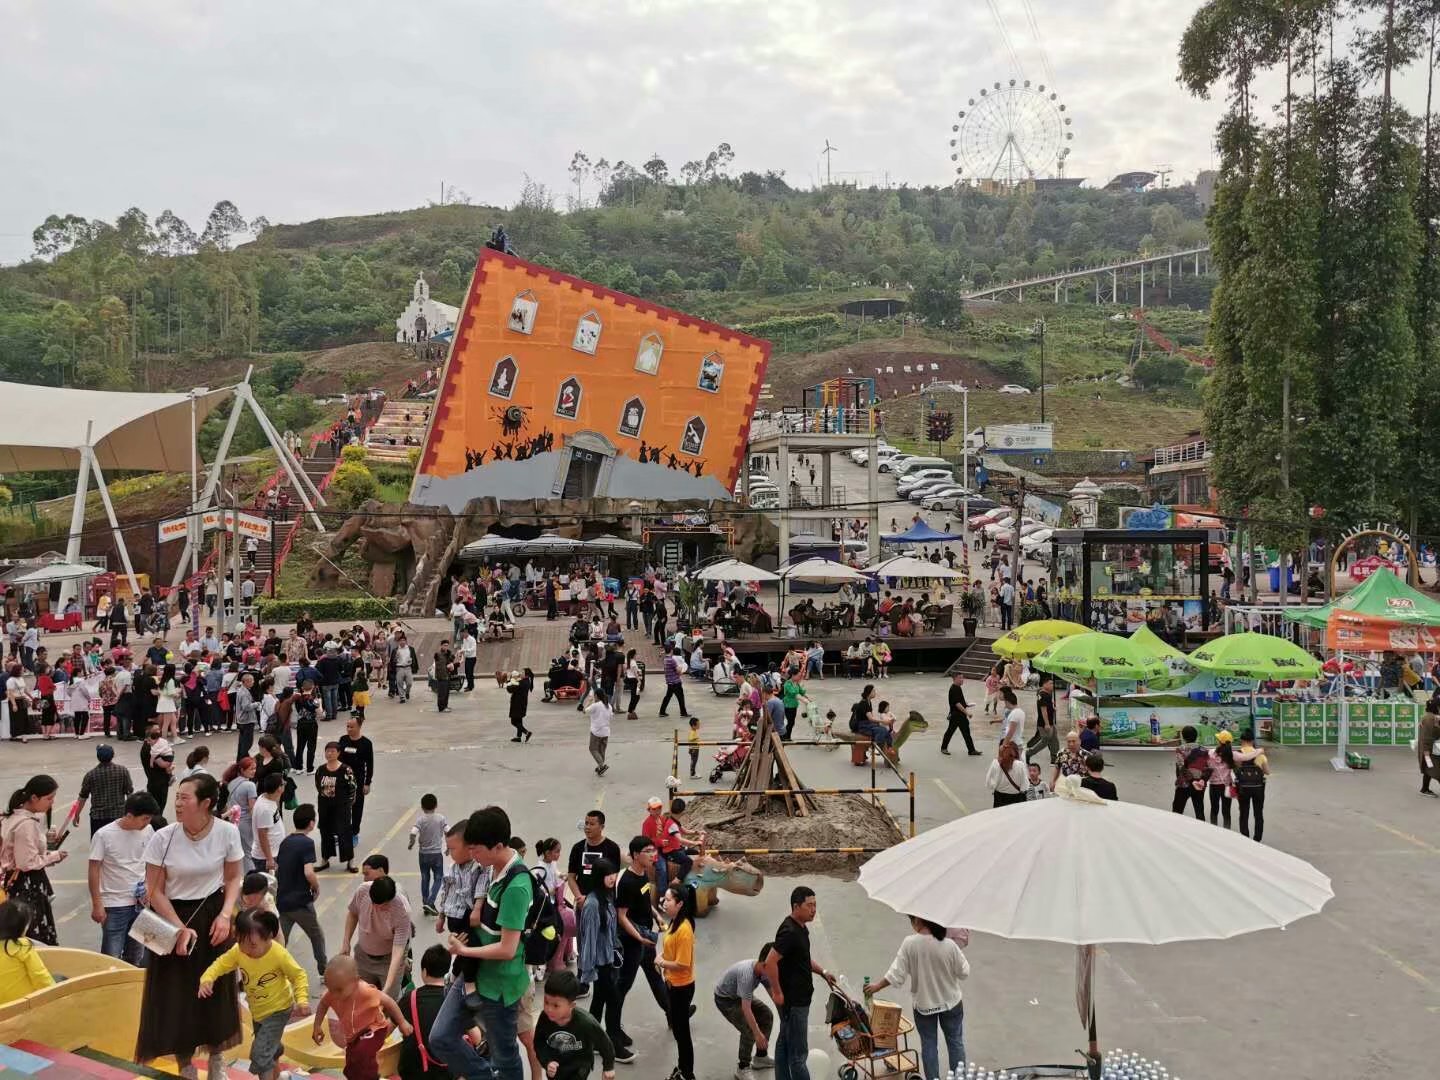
point(49, 428)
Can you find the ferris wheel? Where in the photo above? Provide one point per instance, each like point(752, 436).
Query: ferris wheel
point(1011, 133)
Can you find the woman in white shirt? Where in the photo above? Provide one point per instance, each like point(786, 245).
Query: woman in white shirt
point(932, 966)
point(1006, 777)
point(192, 881)
point(167, 705)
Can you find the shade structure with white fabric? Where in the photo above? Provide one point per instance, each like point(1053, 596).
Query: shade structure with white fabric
point(910, 568)
point(57, 571)
point(735, 570)
point(45, 427)
point(820, 571)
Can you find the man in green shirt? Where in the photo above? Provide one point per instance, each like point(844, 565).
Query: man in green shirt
point(568, 1038)
point(489, 993)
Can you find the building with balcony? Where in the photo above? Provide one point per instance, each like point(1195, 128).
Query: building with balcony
point(1180, 474)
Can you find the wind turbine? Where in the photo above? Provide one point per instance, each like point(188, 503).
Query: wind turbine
point(827, 152)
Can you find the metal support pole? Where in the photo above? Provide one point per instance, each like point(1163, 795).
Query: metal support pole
point(114, 523)
point(69, 589)
point(192, 543)
point(196, 529)
point(872, 495)
point(275, 441)
point(1114, 287)
point(270, 515)
point(782, 457)
point(1142, 284)
point(912, 805)
point(965, 472)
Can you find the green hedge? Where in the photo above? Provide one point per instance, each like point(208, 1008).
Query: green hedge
point(325, 609)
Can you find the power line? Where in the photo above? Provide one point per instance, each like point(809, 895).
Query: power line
point(1005, 38)
point(1039, 44)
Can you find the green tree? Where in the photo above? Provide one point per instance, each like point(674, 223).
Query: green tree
point(671, 284)
point(939, 301)
point(355, 276)
point(772, 274)
point(749, 276)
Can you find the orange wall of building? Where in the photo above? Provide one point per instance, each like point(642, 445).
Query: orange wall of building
point(469, 416)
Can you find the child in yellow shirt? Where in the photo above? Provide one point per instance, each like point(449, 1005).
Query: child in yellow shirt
point(274, 984)
point(694, 743)
point(21, 969)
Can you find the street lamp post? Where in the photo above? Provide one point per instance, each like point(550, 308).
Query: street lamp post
point(1040, 329)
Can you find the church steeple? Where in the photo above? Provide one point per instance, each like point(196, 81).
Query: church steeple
point(422, 288)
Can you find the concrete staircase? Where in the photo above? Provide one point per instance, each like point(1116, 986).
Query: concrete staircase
point(398, 421)
point(976, 661)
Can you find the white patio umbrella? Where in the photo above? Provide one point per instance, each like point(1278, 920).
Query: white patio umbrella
point(612, 545)
point(1086, 872)
point(57, 571)
point(735, 570)
point(821, 571)
point(907, 566)
point(550, 544)
point(488, 547)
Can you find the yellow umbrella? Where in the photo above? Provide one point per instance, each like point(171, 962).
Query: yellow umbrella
point(1033, 638)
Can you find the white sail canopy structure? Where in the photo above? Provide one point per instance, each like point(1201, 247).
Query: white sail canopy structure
point(46, 427)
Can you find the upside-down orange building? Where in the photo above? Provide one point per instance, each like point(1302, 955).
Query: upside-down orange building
point(557, 387)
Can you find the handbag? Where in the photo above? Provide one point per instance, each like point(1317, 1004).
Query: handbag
point(157, 934)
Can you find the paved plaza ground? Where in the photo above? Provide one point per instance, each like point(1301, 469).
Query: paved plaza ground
point(1353, 992)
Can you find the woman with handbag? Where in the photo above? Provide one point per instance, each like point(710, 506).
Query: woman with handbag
point(193, 870)
point(25, 854)
point(1006, 777)
point(1426, 744)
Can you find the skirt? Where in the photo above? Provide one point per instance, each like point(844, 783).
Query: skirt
point(172, 1019)
point(32, 888)
point(360, 699)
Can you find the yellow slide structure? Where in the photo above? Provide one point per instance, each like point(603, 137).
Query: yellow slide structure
point(95, 1004)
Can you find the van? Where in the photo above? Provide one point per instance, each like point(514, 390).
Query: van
point(913, 463)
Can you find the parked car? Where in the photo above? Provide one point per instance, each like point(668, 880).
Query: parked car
point(1037, 540)
point(1014, 388)
point(934, 498)
point(998, 513)
point(996, 529)
point(915, 479)
point(920, 492)
point(1007, 536)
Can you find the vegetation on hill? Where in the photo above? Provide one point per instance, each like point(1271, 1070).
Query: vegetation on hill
point(113, 304)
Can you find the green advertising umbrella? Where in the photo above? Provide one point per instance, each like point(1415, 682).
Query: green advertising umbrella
point(1098, 656)
point(1255, 656)
point(1177, 664)
point(1382, 595)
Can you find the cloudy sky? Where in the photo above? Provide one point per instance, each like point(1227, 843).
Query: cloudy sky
point(305, 109)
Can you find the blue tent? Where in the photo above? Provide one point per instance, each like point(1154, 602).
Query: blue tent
point(919, 533)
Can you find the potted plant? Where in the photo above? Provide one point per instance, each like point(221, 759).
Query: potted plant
point(691, 594)
point(972, 604)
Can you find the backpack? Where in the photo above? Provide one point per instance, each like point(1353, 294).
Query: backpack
point(1249, 776)
point(1197, 763)
point(540, 939)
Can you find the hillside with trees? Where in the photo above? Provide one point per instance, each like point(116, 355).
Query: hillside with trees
point(113, 304)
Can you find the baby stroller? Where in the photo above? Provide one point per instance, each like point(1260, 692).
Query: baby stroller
point(850, 1028)
point(728, 759)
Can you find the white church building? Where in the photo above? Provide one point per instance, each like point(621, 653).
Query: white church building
point(424, 319)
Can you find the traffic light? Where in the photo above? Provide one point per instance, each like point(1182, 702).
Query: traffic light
point(940, 427)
